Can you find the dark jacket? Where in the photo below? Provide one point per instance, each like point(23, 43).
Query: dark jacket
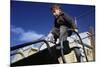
point(63, 19)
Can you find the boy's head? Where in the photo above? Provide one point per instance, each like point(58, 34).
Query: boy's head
point(56, 10)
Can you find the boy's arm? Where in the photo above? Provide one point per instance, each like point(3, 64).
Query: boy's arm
point(70, 21)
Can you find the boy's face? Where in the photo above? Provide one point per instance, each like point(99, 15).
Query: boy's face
point(56, 12)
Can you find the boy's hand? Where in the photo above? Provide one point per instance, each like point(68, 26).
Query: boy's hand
point(76, 30)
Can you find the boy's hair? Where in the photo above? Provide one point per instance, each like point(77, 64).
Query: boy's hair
point(55, 6)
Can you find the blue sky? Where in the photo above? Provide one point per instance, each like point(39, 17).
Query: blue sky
point(32, 20)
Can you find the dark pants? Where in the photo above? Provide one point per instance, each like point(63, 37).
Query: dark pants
point(62, 33)
point(78, 54)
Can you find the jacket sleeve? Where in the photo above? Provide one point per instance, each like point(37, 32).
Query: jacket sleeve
point(69, 21)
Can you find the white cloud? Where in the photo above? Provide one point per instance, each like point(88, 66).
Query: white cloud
point(17, 30)
point(25, 36)
point(30, 36)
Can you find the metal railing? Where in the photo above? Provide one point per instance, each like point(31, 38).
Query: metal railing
point(30, 43)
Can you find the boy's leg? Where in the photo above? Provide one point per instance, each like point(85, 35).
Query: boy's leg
point(55, 31)
point(78, 54)
point(63, 33)
point(62, 39)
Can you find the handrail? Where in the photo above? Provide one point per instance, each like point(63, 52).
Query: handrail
point(82, 45)
point(30, 43)
point(26, 44)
